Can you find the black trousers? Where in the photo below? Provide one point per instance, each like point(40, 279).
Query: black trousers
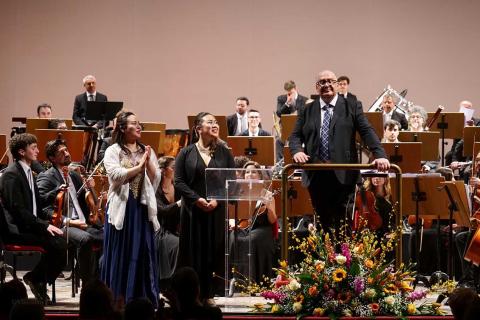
point(330, 199)
point(52, 262)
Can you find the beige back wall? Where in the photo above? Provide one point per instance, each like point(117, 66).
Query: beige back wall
point(167, 59)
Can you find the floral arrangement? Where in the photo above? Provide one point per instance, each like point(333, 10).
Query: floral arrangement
point(345, 276)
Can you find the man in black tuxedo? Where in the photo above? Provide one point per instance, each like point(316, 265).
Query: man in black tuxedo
point(238, 122)
point(254, 129)
point(327, 128)
point(26, 222)
point(290, 103)
point(389, 112)
point(80, 104)
point(75, 225)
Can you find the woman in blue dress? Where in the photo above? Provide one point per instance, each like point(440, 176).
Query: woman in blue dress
point(129, 261)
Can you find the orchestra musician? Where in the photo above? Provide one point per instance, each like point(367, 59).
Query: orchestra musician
point(75, 223)
point(27, 223)
point(44, 111)
point(129, 265)
point(168, 208)
point(391, 130)
point(389, 112)
point(254, 125)
point(259, 234)
point(202, 234)
point(80, 103)
point(238, 122)
point(327, 127)
point(417, 119)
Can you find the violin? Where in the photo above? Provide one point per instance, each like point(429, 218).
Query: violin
point(260, 209)
point(60, 202)
point(366, 214)
point(93, 201)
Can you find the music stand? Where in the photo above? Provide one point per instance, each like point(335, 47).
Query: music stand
point(459, 211)
point(3, 150)
point(298, 198)
point(154, 139)
point(429, 140)
point(102, 110)
point(35, 123)
point(407, 155)
point(288, 123)
point(470, 134)
point(450, 125)
point(421, 195)
point(259, 149)
point(73, 138)
point(376, 121)
point(222, 123)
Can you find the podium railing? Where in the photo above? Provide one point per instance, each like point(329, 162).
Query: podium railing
point(337, 166)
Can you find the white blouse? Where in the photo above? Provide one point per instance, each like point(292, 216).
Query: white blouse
point(119, 188)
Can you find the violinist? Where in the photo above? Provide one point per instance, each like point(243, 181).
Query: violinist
point(259, 234)
point(26, 222)
point(74, 210)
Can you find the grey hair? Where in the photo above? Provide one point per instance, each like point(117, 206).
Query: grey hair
point(420, 110)
point(89, 77)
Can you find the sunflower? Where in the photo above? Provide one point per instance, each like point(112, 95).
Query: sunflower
point(339, 274)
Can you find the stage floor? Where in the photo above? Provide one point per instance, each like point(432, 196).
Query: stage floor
point(239, 304)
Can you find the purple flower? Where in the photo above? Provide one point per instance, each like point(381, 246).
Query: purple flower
point(417, 295)
point(358, 285)
point(346, 253)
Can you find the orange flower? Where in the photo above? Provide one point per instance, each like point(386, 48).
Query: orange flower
point(313, 291)
point(390, 288)
point(344, 297)
point(318, 312)
point(368, 263)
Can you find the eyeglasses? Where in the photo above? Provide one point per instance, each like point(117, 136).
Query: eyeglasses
point(325, 82)
point(211, 122)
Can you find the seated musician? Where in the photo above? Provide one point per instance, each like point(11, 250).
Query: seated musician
point(391, 130)
point(389, 112)
point(417, 119)
point(374, 200)
point(27, 223)
point(75, 219)
point(254, 127)
point(168, 213)
point(44, 111)
point(58, 124)
point(262, 231)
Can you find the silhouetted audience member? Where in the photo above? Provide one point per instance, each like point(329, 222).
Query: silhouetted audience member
point(29, 309)
point(11, 292)
point(139, 309)
point(96, 301)
point(186, 297)
point(460, 299)
point(472, 312)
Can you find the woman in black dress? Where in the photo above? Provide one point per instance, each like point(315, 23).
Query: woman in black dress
point(168, 213)
point(202, 234)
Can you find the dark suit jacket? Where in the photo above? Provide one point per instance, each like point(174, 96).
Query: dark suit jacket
point(347, 119)
point(261, 133)
point(80, 107)
point(49, 183)
point(232, 124)
point(18, 202)
point(282, 108)
point(400, 117)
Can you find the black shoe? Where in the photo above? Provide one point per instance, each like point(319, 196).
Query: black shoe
point(38, 288)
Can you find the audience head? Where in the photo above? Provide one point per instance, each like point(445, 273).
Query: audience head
point(388, 103)
point(11, 292)
point(242, 105)
point(96, 301)
point(460, 299)
point(254, 119)
point(44, 110)
point(90, 84)
point(326, 85)
point(29, 309)
point(167, 166)
point(139, 308)
point(343, 83)
point(57, 124)
point(205, 127)
point(391, 130)
point(57, 153)
point(417, 118)
point(186, 287)
point(24, 147)
point(127, 130)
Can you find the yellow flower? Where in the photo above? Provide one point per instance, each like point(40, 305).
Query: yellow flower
point(297, 306)
point(283, 264)
point(318, 312)
point(275, 308)
point(405, 286)
point(299, 298)
point(319, 265)
point(411, 309)
point(390, 288)
point(258, 306)
point(339, 274)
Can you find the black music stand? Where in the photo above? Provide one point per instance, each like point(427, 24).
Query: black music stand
point(450, 125)
point(102, 110)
